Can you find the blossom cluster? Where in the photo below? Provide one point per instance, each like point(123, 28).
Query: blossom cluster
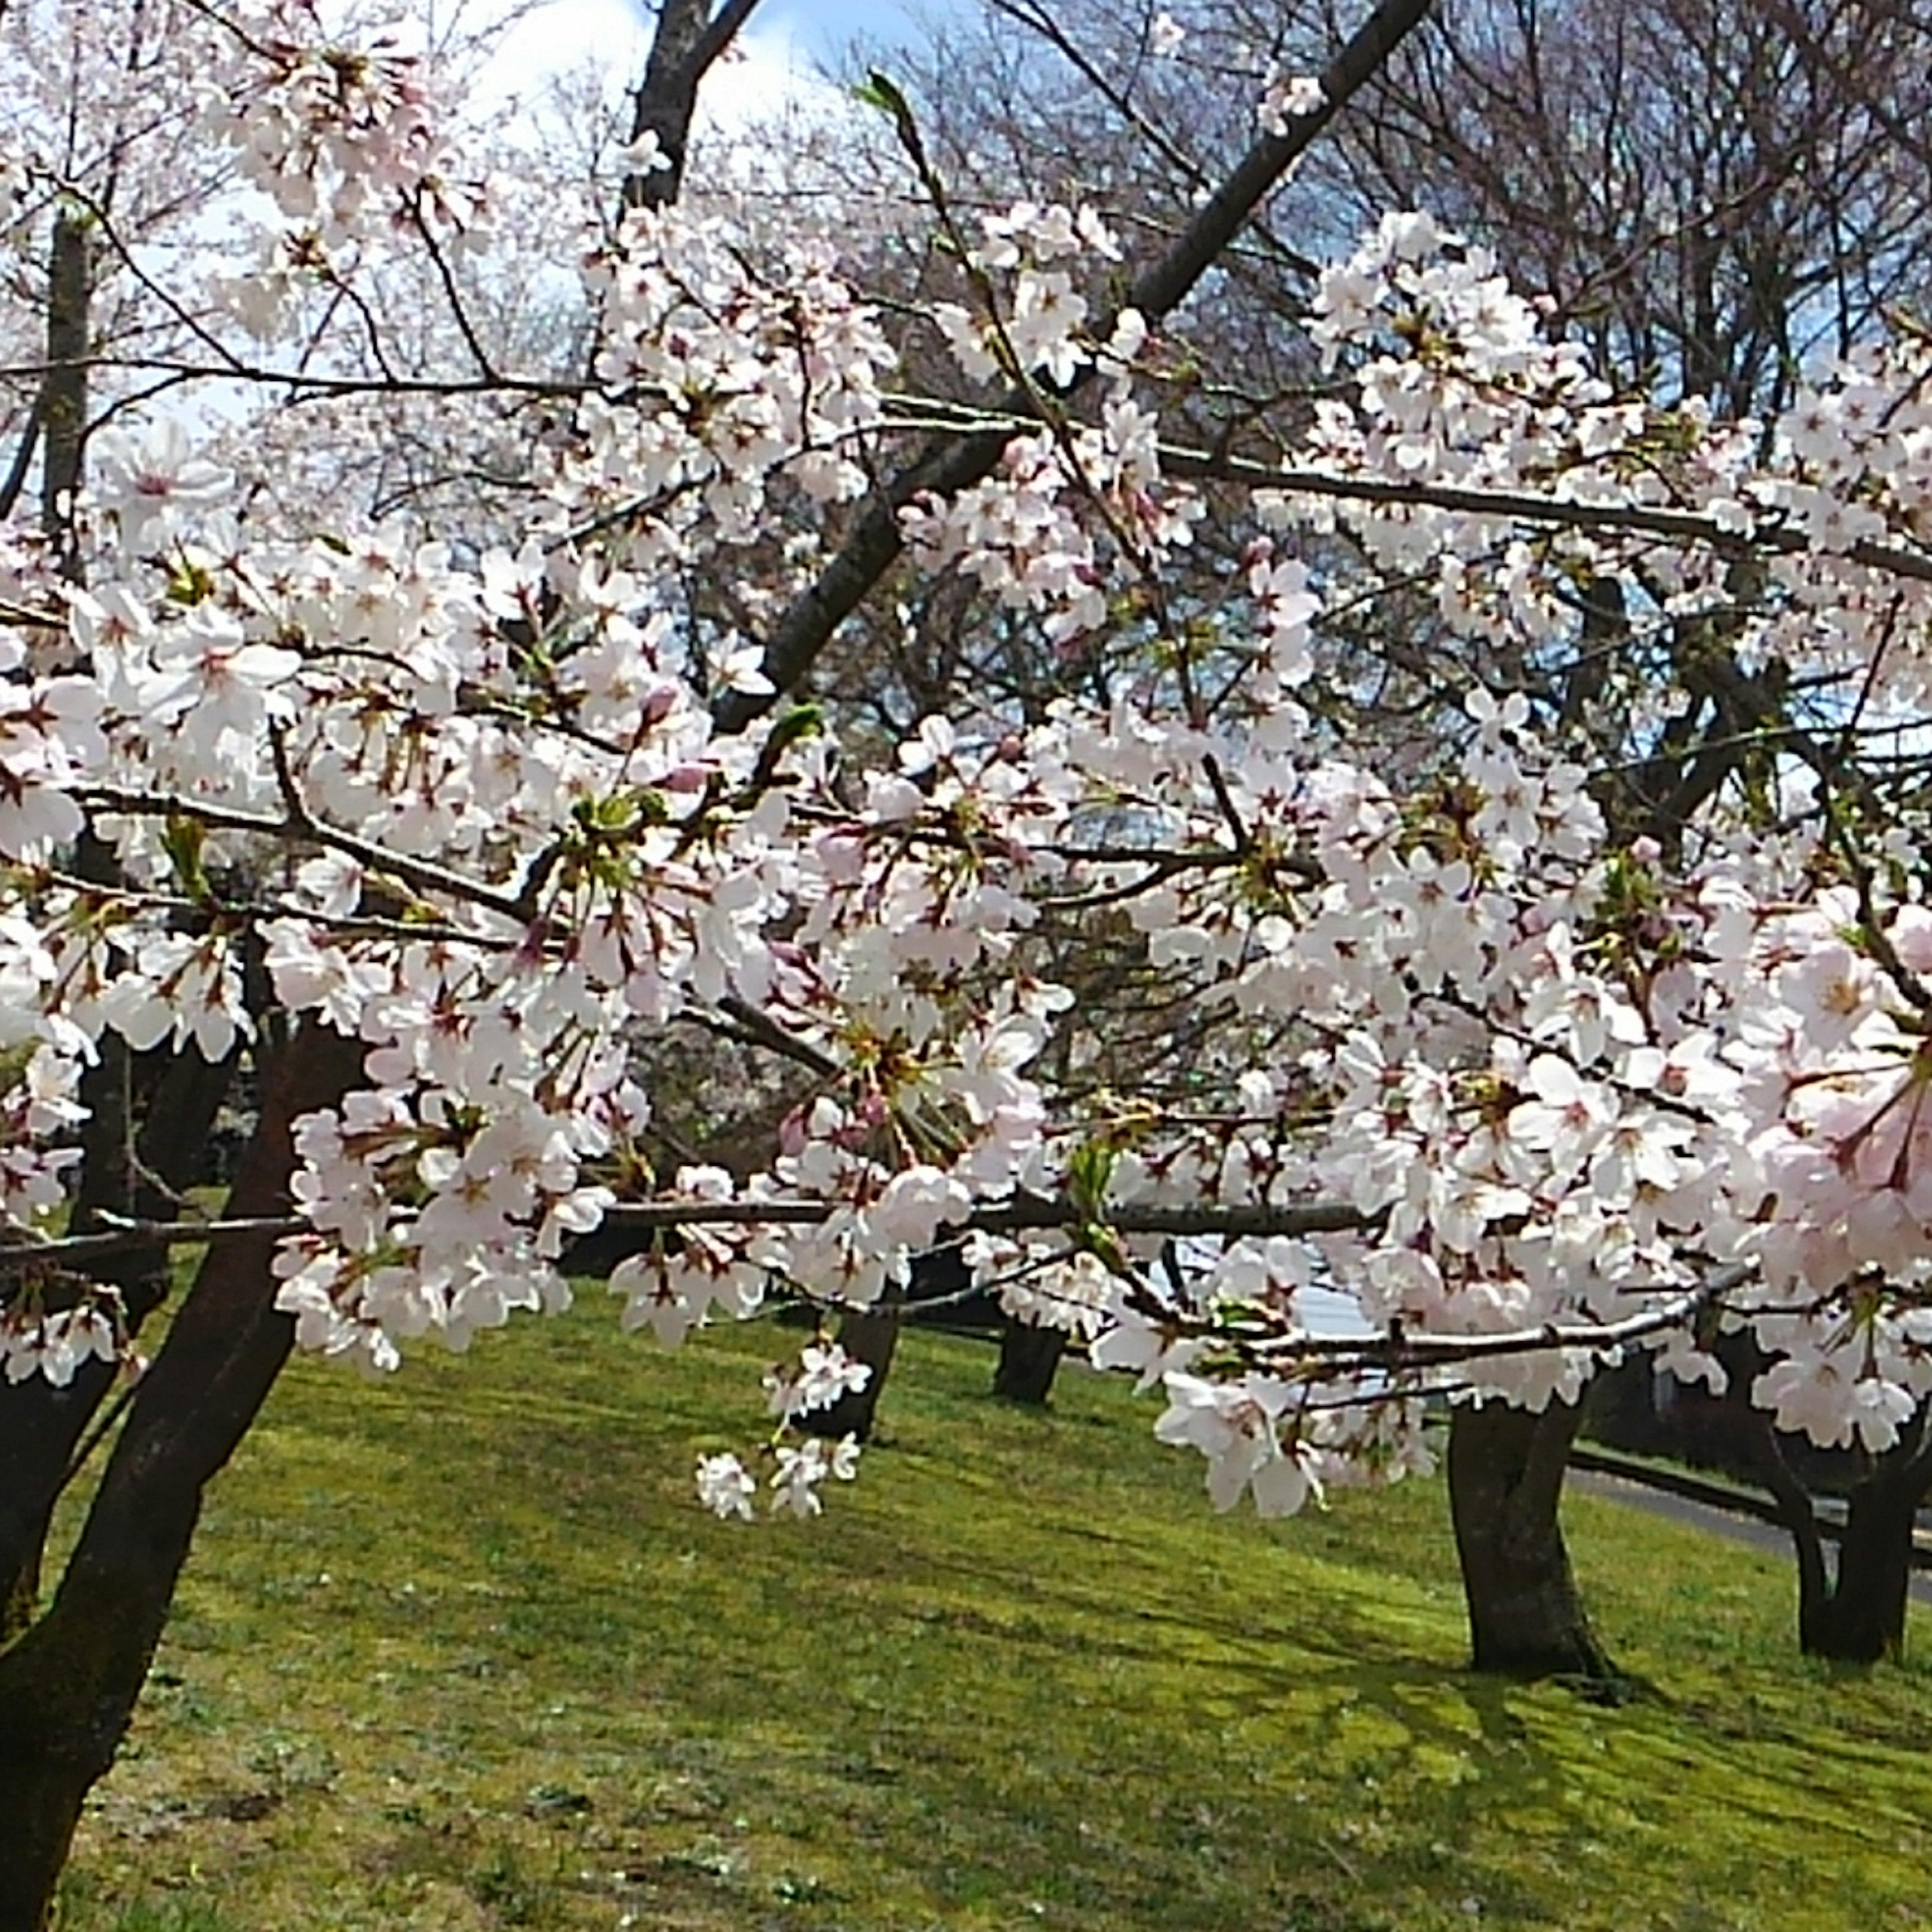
point(717, 380)
point(332, 131)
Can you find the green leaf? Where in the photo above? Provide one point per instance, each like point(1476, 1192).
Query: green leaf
point(1088, 1171)
point(878, 90)
point(182, 839)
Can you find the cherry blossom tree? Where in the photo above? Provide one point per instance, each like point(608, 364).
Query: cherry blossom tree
point(1702, 233)
point(1711, 199)
point(139, 272)
point(439, 831)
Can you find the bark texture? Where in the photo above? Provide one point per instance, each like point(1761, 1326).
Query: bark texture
point(1506, 1469)
point(1863, 1619)
point(689, 38)
point(1853, 1611)
point(61, 411)
point(42, 1427)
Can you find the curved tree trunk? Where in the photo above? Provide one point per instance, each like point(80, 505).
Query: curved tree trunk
point(1801, 1518)
point(1854, 1612)
point(1506, 1468)
point(1030, 1354)
point(70, 1681)
point(42, 1427)
point(138, 1174)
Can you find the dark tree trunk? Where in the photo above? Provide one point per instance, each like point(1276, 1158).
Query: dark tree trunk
point(1620, 1409)
point(62, 411)
point(69, 1682)
point(689, 39)
point(872, 1337)
point(1862, 1620)
point(1506, 1468)
point(1801, 1518)
point(1029, 1356)
point(1854, 1612)
point(41, 1426)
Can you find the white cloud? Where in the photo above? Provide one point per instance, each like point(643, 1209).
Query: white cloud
point(561, 39)
point(765, 74)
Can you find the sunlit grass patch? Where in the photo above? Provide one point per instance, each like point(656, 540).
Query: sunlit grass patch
point(460, 1651)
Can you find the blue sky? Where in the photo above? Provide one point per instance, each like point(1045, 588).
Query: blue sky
point(824, 27)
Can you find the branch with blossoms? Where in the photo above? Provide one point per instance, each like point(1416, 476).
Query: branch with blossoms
point(671, 1215)
point(315, 383)
point(1741, 529)
point(958, 463)
point(1241, 1335)
point(1737, 529)
point(299, 825)
point(1402, 1350)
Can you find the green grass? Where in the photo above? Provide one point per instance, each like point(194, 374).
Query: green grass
point(460, 1652)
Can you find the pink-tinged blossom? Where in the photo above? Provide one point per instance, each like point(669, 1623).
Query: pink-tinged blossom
point(152, 481)
point(1564, 1115)
point(479, 818)
point(1238, 1427)
point(1289, 97)
point(50, 737)
point(55, 1344)
point(1074, 1292)
point(801, 1470)
point(822, 1375)
point(1836, 1408)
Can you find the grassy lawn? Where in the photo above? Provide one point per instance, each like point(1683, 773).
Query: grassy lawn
point(461, 1651)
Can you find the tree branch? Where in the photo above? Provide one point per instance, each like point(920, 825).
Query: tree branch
point(956, 463)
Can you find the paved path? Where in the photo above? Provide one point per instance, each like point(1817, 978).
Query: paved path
point(1765, 1536)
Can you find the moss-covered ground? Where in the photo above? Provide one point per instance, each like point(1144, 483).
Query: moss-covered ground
point(460, 1652)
